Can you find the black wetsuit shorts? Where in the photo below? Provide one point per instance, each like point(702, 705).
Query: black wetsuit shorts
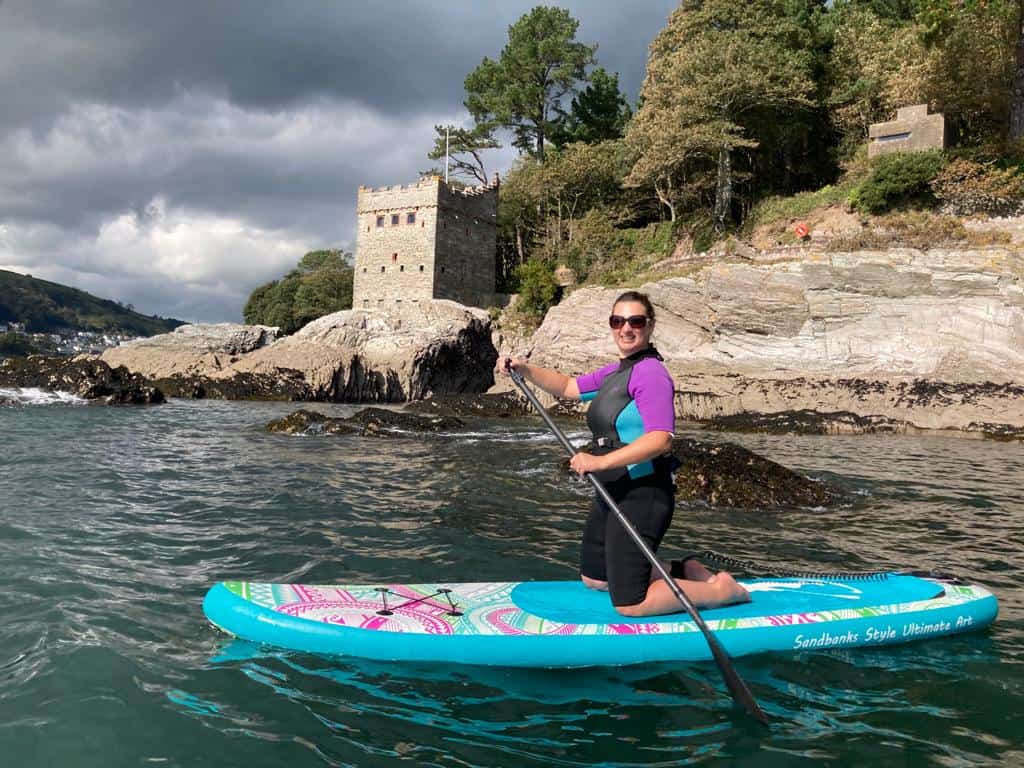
point(608, 553)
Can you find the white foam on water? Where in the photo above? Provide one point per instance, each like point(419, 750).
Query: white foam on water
point(36, 396)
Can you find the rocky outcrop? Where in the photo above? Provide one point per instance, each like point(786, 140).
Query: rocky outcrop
point(191, 350)
point(88, 379)
point(433, 347)
point(369, 421)
point(500, 405)
point(898, 340)
point(728, 475)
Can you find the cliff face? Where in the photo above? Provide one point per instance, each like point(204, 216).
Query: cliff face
point(868, 340)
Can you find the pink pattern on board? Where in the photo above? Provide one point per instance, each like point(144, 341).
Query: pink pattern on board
point(785, 620)
point(496, 619)
point(634, 629)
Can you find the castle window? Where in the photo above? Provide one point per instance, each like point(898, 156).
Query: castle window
point(410, 218)
point(442, 270)
point(380, 221)
point(402, 268)
point(394, 219)
point(364, 269)
point(421, 267)
point(382, 269)
point(394, 257)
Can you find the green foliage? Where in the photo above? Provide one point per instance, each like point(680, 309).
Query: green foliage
point(719, 77)
point(320, 284)
point(523, 90)
point(896, 180)
point(602, 253)
point(542, 204)
point(465, 147)
point(537, 288)
point(780, 208)
point(48, 307)
point(966, 187)
point(599, 113)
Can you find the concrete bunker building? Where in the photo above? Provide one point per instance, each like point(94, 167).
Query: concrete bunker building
point(427, 240)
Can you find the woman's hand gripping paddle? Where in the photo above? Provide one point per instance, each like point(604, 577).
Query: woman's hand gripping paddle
point(737, 688)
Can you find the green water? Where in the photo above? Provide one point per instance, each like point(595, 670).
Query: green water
point(115, 521)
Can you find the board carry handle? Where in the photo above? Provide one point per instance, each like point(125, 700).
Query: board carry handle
point(738, 689)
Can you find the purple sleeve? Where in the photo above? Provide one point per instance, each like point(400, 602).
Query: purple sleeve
point(591, 382)
point(652, 389)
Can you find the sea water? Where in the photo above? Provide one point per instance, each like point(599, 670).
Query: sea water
point(114, 521)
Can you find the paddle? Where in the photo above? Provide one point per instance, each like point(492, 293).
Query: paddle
point(737, 688)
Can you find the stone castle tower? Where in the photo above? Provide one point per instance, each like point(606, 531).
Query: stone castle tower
point(427, 240)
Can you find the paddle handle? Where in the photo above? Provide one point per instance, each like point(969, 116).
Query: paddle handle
point(737, 688)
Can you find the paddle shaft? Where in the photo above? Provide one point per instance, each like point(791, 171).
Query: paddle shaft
point(737, 688)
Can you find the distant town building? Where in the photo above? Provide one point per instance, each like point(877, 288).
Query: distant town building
point(913, 130)
point(428, 240)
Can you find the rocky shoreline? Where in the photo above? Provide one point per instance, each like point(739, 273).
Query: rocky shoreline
point(786, 340)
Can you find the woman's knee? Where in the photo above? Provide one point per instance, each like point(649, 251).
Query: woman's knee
point(634, 610)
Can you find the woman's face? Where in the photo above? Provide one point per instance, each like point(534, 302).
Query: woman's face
point(627, 338)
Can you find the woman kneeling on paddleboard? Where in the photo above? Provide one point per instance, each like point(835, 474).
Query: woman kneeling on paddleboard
point(632, 417)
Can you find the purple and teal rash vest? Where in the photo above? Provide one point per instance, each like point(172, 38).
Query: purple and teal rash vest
point(627, 399)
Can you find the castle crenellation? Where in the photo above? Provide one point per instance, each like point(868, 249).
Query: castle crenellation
point(425, 240)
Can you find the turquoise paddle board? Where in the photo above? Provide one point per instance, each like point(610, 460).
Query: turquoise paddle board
point(564, 624)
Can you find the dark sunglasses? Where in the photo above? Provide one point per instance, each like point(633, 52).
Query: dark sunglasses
point(635, 321)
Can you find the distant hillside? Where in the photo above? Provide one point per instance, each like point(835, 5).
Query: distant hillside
point(47, 307)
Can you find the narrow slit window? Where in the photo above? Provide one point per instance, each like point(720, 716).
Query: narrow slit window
point(402, 268)
point(421, 267)
point(394, 257)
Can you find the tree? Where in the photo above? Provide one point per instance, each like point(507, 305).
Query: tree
point(465, 147)
point(321, 283)
point(978, 64)
point(600, 112)
point(525, 88)
point(877, 65)
point(719, 71)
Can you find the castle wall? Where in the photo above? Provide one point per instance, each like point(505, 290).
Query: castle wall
point(395, 261)
point(467, 245)
point(448, 251)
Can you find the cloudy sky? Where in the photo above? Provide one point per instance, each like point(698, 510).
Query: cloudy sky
point(174, 155)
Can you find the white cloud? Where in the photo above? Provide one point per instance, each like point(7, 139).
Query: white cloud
point(219, 251)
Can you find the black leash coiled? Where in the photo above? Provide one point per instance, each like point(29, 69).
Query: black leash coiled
point(726, 562)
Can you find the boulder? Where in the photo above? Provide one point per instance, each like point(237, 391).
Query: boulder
point(87, 378)
point(425, 348)
point(729, 475)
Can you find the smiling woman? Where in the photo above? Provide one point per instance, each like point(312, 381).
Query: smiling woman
point(632, 418)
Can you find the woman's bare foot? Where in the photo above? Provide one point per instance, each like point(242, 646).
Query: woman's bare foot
point(727, 589)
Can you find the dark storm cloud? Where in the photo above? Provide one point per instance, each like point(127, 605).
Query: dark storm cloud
point(259, 119)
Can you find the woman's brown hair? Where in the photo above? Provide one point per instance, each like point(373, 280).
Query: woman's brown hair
point(640, 297)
